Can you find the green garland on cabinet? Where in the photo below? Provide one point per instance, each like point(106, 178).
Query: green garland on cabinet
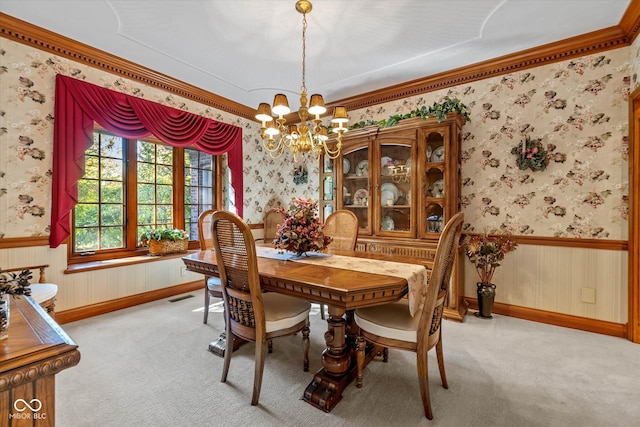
point(439, 110)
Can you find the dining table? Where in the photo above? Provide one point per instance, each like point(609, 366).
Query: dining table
point(343, 281)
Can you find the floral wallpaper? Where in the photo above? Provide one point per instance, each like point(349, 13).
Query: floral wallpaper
point(27, 80)
point(576, 108)
point(635, 64)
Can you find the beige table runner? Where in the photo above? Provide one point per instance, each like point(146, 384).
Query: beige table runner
point(415, 275)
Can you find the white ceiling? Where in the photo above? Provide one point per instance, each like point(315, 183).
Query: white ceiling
point(249, 50)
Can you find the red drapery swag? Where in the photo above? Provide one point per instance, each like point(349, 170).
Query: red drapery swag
point(78, 104)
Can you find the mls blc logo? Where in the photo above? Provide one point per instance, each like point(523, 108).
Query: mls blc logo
point(21, 405)
point(34, 406)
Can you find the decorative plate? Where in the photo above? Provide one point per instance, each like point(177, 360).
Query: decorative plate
point(387, 223)
point(385, 163)
point(438, 154)
point(360, 197)
point(362, 168)
point(346, 165)
point(388, 186)
point(438, 188)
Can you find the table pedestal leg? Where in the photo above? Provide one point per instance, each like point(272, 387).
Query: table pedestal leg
point(339, 367)
point(219, 346)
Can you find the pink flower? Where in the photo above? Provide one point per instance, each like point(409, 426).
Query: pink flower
point(302, 230)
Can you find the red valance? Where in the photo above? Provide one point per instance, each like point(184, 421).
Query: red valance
point(79, 104)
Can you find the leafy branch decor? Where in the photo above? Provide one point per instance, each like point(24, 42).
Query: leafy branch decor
point(531, 154)
point(439, 110)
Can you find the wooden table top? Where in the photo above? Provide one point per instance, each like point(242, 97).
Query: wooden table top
point(34, 337)
point(342, 288)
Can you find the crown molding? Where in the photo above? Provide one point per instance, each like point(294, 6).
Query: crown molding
point(587, 44)
point(598, 41)
point(630, 22)
point(39, 38)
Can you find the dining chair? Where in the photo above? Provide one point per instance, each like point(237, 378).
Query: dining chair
point(212, 287)
point(342, 226)
point(271, 219)
point(251, 314)
point(392, 326)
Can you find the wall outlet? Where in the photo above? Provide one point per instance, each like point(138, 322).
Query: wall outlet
point(588, 295)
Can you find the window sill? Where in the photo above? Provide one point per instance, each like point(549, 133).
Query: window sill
point(119, 262)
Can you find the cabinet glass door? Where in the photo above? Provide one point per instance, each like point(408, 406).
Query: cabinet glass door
point(394, 190)
point(433, 190)
point(327, 202)
point(356, 186)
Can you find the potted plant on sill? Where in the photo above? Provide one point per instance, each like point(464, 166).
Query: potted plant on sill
point(15, 285)
point(163, 241)
point(486, 252)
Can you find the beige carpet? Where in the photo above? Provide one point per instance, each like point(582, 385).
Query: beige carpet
point(149, 366)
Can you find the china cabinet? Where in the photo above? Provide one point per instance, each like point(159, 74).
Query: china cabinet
point(403, 183)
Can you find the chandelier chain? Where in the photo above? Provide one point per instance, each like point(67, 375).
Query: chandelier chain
point(309, 135)
point(304, 51)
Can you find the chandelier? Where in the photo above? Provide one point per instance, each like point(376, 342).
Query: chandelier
point(309, 136)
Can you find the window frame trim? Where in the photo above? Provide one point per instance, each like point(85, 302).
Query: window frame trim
point(131, 197)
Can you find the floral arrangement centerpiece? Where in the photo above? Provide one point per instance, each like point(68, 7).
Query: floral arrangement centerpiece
point(486, 252)
point(531, 154)
point(164, 241)
point(301, 231)
point(15, 285)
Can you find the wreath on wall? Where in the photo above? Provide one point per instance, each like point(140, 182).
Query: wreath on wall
point(300, 175)
point(531, 154)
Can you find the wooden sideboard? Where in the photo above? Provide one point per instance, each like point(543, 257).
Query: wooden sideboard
point(35, 351)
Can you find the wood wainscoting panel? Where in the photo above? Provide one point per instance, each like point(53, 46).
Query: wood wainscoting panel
point(552, 278)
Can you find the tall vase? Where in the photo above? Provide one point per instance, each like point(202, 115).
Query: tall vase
point(486, 295)
point(4, 317)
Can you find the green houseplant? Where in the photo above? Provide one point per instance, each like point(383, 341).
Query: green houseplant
point(485, 252)
point(164, 241)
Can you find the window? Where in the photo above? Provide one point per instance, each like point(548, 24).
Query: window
point(133, 186)
point(199, 168)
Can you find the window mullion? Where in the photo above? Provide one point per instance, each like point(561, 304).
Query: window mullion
point(131, 186)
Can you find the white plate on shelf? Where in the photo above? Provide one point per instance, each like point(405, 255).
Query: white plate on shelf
point(346, 165)
point(390, 187)
point(438, 188)
point(360, 197)
point(387, 223)
point(362, 168)
point(438, 154)
point(385, 163)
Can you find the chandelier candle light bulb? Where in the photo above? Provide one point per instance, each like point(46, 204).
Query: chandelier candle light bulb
point(304, 137)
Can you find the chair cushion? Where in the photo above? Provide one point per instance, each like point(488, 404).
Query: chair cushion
point(283, 311)
point(214, 284)
point(389, 321)
point(40, 292)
